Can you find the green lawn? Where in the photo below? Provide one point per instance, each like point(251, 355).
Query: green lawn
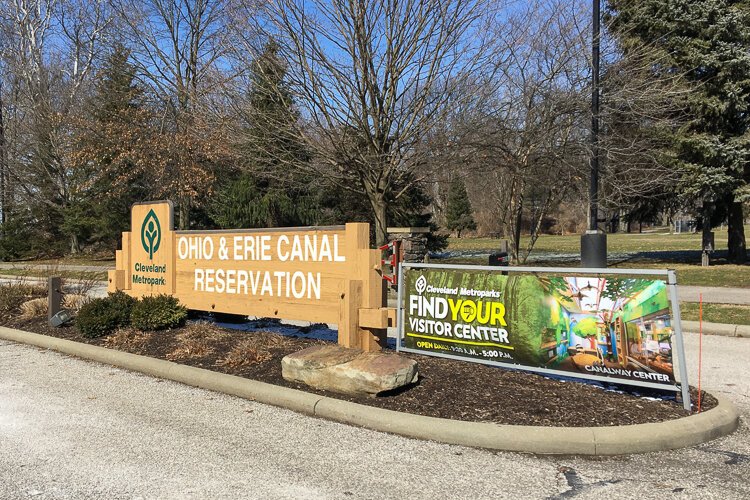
point(694, 275)
point(716, 313)
point(660, 240)
point(687, 265)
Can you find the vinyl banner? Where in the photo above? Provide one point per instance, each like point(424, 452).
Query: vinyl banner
point(610, 326)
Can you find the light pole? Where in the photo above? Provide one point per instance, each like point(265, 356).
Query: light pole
point(594, 242)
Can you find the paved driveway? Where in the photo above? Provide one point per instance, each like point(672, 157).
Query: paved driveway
point(75, 429)
point(714, 294)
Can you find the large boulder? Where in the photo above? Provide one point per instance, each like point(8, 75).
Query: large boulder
point(348, 371)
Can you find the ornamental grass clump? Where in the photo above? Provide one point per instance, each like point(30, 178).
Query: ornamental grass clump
point(13, 295)
point(159, 312)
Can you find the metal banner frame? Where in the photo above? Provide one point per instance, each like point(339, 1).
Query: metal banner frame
point(671, 283)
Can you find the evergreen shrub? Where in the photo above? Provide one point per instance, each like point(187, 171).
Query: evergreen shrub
point(102, 316)
point(158, 313)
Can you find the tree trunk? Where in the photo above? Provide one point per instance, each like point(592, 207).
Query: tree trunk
point(517, 215)
point(75, 245)
point(185, 213)
point(379, 209)
point(736, 235)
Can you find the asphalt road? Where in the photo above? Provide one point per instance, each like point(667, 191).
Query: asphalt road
point(714, 294)
point(76, 429)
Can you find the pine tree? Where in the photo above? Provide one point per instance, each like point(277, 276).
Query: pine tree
point(707, 41)
point(112, 154)
point(459, 214)
point(270, 190)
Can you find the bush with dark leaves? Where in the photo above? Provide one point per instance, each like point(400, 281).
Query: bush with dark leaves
point(159, 312)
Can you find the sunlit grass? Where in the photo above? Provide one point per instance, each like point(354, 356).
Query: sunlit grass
point(716, 313)
point(658, 240)
point(641, 250)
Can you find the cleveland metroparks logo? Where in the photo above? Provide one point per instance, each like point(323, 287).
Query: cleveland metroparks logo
point(151, 234)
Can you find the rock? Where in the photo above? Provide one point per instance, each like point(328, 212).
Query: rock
point(349, 371)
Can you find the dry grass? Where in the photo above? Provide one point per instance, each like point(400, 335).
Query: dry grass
point(33, 308)
point(196, 341)
point(245, 353)
point(38, 307)
point(75, 301)
point(13, 295)
point(203, 330)
point(128, 339)
point(272, 340)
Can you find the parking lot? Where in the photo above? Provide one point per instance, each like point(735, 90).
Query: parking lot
point(75, 429)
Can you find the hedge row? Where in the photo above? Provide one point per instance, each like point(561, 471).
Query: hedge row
point(103, 316)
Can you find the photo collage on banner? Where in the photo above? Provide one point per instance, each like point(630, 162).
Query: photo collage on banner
point(612, 326)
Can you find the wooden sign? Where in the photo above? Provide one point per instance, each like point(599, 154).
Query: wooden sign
point(316, 274)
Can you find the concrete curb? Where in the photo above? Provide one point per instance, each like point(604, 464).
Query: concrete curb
point(687, 431)
point(722, 329)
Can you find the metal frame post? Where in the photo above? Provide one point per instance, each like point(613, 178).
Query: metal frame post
point(667, 275)
point(399, 306)
point(684, 385)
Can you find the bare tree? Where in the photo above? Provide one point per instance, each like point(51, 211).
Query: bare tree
point(181, 49)
point(50, 47)
point(523, 144)
point(3, 160)
point(526, 138)
point(372, 77)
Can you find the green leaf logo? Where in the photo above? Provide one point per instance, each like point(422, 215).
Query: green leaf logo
point(151, 234)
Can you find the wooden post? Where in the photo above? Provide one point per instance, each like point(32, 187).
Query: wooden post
point(364, 266)
point(373, 297)
point(54, 296)
point(351, 300)
point(116, 280)
point(125, 259)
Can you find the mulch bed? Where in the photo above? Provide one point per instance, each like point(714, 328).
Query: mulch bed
point(446, 388)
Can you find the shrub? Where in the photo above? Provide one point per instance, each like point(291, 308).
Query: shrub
point(125, 302)
point(158, 313)
point(13, 295)
point(197, 340)
point(99, 318)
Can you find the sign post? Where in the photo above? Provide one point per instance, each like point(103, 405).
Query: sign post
point(615, 326)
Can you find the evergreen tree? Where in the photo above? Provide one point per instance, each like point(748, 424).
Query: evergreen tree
point(458, 213)
point(707, 41)
point(112, 155)
point(270, 190)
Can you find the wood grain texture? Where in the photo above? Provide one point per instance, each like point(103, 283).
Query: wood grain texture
point(325, 275)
